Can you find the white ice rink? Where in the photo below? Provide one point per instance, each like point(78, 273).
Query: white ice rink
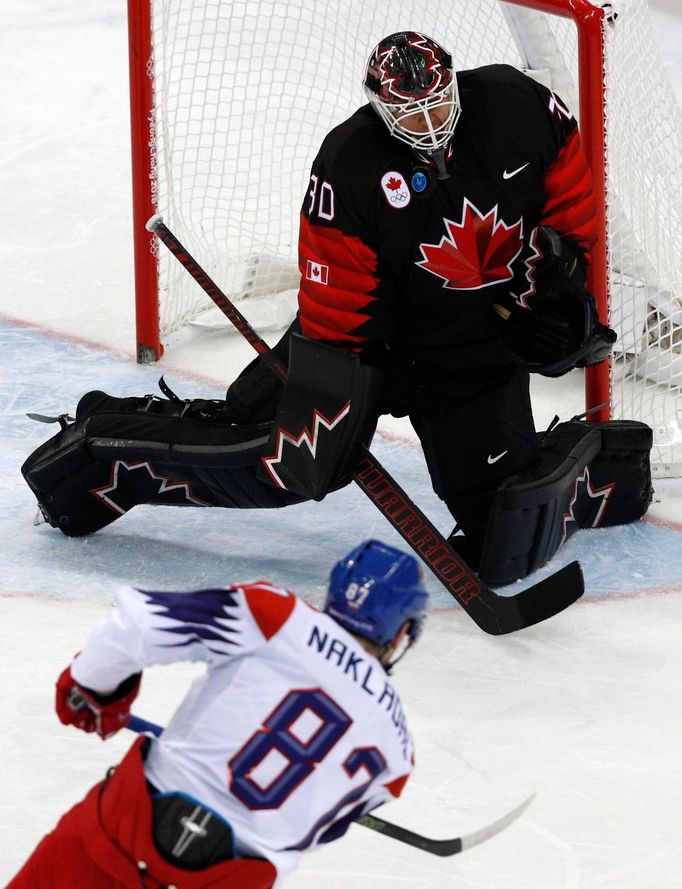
point(585, 709)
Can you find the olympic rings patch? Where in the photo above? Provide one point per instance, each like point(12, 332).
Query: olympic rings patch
point(395, 190)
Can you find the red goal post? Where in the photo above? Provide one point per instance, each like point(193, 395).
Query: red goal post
point(590, 21)
point(229, 103)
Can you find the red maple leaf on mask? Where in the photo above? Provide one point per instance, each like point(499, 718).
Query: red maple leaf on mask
point(393, 184)
point(476, 252)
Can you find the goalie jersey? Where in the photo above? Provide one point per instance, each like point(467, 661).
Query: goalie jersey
point(390, 254)
point(292, 732)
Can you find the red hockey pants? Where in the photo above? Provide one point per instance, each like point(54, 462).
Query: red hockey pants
point(101, 841)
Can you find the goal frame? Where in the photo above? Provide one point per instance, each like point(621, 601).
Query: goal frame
point(589, 21)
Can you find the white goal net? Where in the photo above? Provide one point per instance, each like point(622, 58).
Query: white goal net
point(245, 91)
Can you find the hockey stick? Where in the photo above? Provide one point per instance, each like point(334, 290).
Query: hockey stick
point(442, 848)
point(492, 613)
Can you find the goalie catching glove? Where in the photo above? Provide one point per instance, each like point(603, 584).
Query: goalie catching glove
point(94, 712)
point(560, 329)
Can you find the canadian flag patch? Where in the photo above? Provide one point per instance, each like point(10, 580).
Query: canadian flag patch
point(396, 190)
point(315, 271)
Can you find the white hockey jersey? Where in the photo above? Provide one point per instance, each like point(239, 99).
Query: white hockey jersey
point(293, 731)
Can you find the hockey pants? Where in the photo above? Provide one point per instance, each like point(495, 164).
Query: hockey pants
point(102, 841)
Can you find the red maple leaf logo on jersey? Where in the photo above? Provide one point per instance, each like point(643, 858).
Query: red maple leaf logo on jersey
point(393, 183)
point(476, 252)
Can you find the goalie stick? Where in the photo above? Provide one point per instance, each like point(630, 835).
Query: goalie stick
point(494, 614)
point(443, 848)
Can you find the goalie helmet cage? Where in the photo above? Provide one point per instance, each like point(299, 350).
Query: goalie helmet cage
point(230, 101)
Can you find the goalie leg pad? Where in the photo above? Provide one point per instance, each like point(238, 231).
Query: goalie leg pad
point(588, 476)
point(98, 468)
point(623, 464)
point(329, 406)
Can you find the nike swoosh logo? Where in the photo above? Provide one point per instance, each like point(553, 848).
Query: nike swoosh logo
point(492, 459)
point(507, 175)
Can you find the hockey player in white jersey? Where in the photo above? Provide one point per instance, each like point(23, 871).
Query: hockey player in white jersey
point(293, 732)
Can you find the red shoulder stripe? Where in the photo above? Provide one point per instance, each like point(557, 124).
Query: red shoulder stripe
point(395, 787)
point(270, 606)
point(335, 309)
point(328, 324)
point(569, 203)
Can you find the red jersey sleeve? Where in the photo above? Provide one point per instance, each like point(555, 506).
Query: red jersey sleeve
point(570, 206)
point(338, 264)
point(337, 280)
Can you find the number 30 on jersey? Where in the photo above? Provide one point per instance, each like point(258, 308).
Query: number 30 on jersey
point(321, 199)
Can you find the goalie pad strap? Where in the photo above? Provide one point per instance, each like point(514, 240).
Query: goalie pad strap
point(588, 476)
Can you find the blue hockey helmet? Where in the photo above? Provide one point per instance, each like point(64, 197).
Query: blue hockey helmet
point(374, 590)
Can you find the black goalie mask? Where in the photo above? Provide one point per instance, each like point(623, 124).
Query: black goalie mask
point(410, 83)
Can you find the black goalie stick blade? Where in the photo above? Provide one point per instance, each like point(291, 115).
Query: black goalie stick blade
point(499, 615)
point(553, 594)
point(444, 848)
point(493, 614)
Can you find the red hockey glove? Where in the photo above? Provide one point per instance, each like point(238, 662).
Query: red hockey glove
point(92, 712)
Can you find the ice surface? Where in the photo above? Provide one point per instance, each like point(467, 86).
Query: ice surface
point(586, 708)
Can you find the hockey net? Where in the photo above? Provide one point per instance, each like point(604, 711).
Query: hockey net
point(231, 101)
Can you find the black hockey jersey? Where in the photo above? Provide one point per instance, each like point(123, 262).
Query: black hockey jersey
point(390, 254)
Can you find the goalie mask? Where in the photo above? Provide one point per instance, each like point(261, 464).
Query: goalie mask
point(374, 590)
point(410, 83)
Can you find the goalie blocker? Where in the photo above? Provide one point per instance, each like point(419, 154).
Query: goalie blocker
point(122, 452)
point(588, 476)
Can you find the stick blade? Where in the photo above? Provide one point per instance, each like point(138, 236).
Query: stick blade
point(551, 595)
point(485, 833)
point(445, 848)
point(499, 615)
